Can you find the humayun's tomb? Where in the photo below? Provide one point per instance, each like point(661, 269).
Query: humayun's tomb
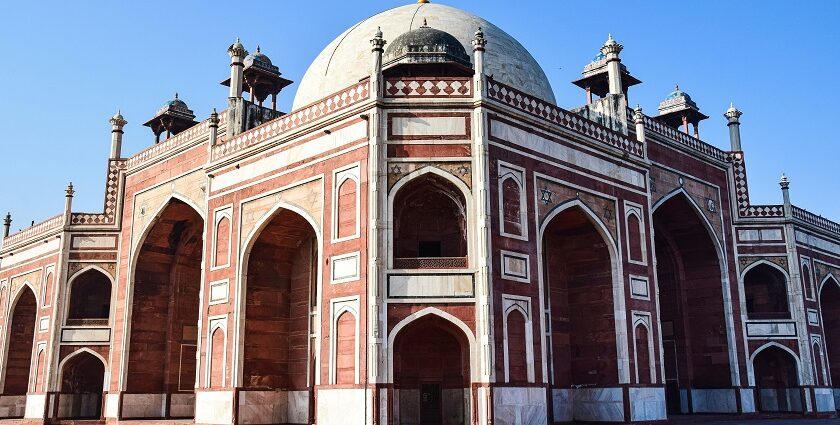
point(426, 238)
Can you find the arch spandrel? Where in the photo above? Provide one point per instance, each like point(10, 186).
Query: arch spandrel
point(459, 170)
point(561, 194)
point(704, 196)
point(307, 198)
point(148, 204)
point(31, 279)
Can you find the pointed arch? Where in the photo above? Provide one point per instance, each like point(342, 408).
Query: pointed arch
point(468, 334)
point(20, 341)
point(793, 355)
point(699, 211)
point(616, 273)
point(85, 350)
point(514, 343)
point(237, 362)
point(767, 290)
point(69, 294)
point(827, 279)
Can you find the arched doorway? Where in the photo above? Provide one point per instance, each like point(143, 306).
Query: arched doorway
point(21, 336)
point(431, 365)
point(280, 294)
point(82, 380)
point(776, 380)
point(579, 293)
point(90, 299)
point(692, 313)
point(765, 293)
point(164, 315)
point(830, 312)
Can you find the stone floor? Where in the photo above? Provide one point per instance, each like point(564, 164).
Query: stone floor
point(765, 420)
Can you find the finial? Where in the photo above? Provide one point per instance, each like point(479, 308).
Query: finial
point(237, 40)
point(377, 42)
point(425, 24)
point(176, 95)
point(258, 48)
point(784, 182)
point(676, 87)
point(69, 191)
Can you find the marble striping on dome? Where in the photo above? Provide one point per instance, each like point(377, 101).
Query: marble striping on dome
point(347, 59)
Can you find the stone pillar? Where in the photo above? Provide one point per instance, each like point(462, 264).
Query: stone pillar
point(117, 124)
point(7, 223)
point(639, 119)
point(68, 199)
point(377, 44)
point(214, 127)
point(611, 49)
point(479, 42)
point(785, 184)
point(237, 54)
point(733, 116)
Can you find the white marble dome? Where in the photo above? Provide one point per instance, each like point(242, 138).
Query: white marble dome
point(347, 59)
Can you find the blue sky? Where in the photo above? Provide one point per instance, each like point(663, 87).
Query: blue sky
point(68, 66)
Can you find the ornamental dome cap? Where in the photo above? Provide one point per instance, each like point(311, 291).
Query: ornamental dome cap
point(176, 102)
point(678, 93)
point(259, 57)
point(426, 45)
point(347, 59)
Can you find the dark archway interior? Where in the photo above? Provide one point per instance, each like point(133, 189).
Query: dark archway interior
point(90, 299)
point(280, 293)
point(82, 381)
point(691, 301)
point(765, 292)
point(164, 314)
point(579, 289)
point(21, 336)
point(830, 309)
point(432, 372)
point(776, 381)
point(429, 222)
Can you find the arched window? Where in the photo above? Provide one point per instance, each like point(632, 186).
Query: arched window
point(765, 291)
point(511, 207)
point(220, 256)
point(517, 348)
point(346, 209)
point(90, 299)
point(634, 237)
point(818, 369)
point(345, 349)
point(48, 285)
point(775, 373)
point(430, 225)
point(806, 280)
point(217, 358)
point(643, 354)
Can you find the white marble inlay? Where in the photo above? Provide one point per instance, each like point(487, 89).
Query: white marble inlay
point(31, 252)
point(771, 329)
point(143, 405)
point(44, 324)
point(639, 287)
point(429, 126)
point(598, 404)
point(561, 403)
point(12, 406)
point(747, 400)
point(713, 401)
point(85, 335)
point(647, 404)
point(345, 267)
point(35, 404)
point(94, 242)
point(430, 286)
point(112, 405)
point(813, 317)
point(525, 406)
point(816, 242)
point(825, 399)
point(341, 406)
point(515, 266)
point(219, 291)
point(214, 407)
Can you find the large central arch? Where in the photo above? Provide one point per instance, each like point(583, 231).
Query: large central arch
point(164, 314)
point(693, 312)
point(279, 292)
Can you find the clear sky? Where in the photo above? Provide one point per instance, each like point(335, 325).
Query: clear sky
point(68, 66)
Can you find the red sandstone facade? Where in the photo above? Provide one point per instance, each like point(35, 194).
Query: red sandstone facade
point(427, 245)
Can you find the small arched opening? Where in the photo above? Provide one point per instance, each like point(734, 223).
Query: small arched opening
point(765, 293)
point(830, 313)
point(776, 380)
point(430, 224)
point(82, 385)
point(431, 364)
point(18, 362)
point(90, 299)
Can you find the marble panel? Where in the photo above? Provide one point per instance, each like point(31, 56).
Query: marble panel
point(78, 405)
point(430, 286)
point(262, 407)
point(526, 406)
point(182, 405)
point(837, 397)
point(598, 404)
point(214, 407)
point(747, 400)
point(112, 405)
point(429, 126)
point(341, 406)
point(713, 401)
point(143, 405)
point(86, 335)
point(12, 406)
point(408, 405)
point(561, 403)
point(455, 407)
point(35, 404)
point(297, 407)
point(647, 404)
point(771, 329)
point(824, 399)
point(781, 400)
